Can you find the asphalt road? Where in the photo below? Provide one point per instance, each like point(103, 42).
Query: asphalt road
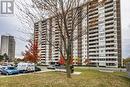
point(44, 68)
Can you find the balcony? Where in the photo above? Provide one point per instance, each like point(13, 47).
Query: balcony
point(110, 30)
point(93, 34)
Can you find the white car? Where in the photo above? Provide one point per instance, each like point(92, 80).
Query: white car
point(26, 67)
point(51, 67)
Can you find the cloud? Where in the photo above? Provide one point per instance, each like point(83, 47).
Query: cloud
point(9, 26)
point(125, 23)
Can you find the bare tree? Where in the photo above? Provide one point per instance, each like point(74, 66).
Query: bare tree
point(61, 11)
point(27, 14)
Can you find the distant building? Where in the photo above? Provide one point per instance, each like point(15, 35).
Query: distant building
point(19, 57)
point(8, 46)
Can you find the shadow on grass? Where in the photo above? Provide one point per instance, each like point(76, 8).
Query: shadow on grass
point(126, 78)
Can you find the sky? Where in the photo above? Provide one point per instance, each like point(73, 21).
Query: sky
point(9, 25)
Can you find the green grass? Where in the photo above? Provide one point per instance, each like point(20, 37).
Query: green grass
point(88, 78)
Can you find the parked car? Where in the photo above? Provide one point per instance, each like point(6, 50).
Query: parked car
point(26, 67)
point(9, 70)
point(60, 67)
point(51, 67)
point(37, 68)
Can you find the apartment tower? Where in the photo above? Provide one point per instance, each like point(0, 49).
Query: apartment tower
point(8, 46)
point(100, 41)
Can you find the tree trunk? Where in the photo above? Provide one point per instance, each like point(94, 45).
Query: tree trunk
point(68, 70)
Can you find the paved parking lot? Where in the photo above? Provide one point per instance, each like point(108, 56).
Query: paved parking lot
point(3, 76)
point(43, 69)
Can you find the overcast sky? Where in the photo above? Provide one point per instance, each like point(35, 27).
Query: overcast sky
point(10, 25)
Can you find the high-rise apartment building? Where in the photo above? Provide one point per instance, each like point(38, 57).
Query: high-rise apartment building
point(104, 35)
point(8, 46)
point(100, 42)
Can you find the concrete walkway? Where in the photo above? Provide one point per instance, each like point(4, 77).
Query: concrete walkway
point(76, 73)
point(106, 71)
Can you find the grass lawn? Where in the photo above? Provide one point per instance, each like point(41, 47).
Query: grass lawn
point(88, 78)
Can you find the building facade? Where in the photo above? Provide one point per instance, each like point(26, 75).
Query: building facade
point(100, 40)
point(8, 46)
